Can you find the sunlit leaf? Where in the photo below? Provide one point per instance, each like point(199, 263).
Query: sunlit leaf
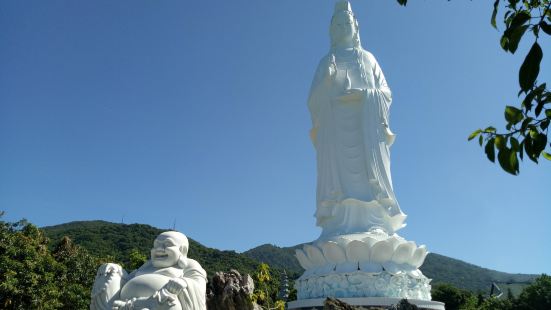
point(513, 115)
point(474, 134)
point(500, 142)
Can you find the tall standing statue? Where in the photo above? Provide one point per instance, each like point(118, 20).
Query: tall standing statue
point(349, 103)
point(168, 281)
point(359, 257)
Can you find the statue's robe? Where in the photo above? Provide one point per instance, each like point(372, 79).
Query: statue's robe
point(148, 281)
point(352, 140)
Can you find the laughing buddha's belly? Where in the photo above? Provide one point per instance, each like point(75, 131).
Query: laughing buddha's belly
point(144, 285)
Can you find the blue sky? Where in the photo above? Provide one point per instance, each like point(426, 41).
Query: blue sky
point(193, 114)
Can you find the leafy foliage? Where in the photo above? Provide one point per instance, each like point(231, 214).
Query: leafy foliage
point(535, 297)
point(527, 123)
point(32, 277)
point(266, 288)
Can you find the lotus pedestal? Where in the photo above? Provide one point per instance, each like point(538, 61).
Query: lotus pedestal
point(370, 268)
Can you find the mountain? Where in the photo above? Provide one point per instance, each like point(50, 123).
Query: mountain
point(439, 268)
point(116, 241)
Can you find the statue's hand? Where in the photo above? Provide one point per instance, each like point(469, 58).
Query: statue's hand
point(122, 305)
point(330, 72)
point(176, 286)
point(353, 94)
point(390, 136)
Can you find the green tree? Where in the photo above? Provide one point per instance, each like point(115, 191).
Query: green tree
point(137, 259)
point(536, 296)
point(77, 276)
point(526, 131)
point(266, 288)
point(494, 303)
point(28, 272)
point(453, 297)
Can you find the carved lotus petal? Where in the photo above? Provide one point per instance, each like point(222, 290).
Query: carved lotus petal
point(392, 268)
point(333, 252)
point(302, 259)
point(381, 252)
point(394, 242)
point(419, 256)
point(403, 253)
point(314, 255)
point(357, 251)
point(369, 241)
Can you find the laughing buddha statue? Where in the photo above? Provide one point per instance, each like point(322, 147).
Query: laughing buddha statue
point(168, 281)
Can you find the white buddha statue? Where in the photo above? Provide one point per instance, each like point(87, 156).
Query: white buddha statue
point(168, 281)
point(349, 103)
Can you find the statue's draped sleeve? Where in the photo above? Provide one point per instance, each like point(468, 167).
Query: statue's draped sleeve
point(317, 98)
point(194, 295)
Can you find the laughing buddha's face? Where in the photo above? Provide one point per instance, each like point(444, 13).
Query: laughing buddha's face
point(167, 249)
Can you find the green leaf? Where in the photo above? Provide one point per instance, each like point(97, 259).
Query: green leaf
point(540, 142)
point(519, 19)
point(513, 115)
point(504, 42)
point(528, 142)
point(544, 124)
point(490, 129)
point(548, 113)
point(480, 140)
point(527, 102)
point(500, 142)
point(525, 123)
point(546, 155)
point(530, 67)
point(545, 27)
point(474, 134)
point(402, 2)
point(515, 146)
point(494, 14)
point(490, 151)
point(514, 38)
point(508, 160)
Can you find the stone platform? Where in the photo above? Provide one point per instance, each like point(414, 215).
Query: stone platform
point(384, 302)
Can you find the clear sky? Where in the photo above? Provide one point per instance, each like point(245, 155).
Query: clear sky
point(193, 114)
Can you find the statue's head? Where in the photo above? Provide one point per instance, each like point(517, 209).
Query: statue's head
point(169, 248)
point(344, 26)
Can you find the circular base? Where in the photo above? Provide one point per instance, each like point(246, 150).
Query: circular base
point(361, 284)
point(365, 302)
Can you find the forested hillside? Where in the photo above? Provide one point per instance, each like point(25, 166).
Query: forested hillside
point(105, 239)
point(118, 240)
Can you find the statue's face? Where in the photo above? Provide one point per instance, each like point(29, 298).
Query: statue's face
point(343, 28)
point(166, 250)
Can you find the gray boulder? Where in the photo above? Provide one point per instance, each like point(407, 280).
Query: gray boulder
point(231, 291)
